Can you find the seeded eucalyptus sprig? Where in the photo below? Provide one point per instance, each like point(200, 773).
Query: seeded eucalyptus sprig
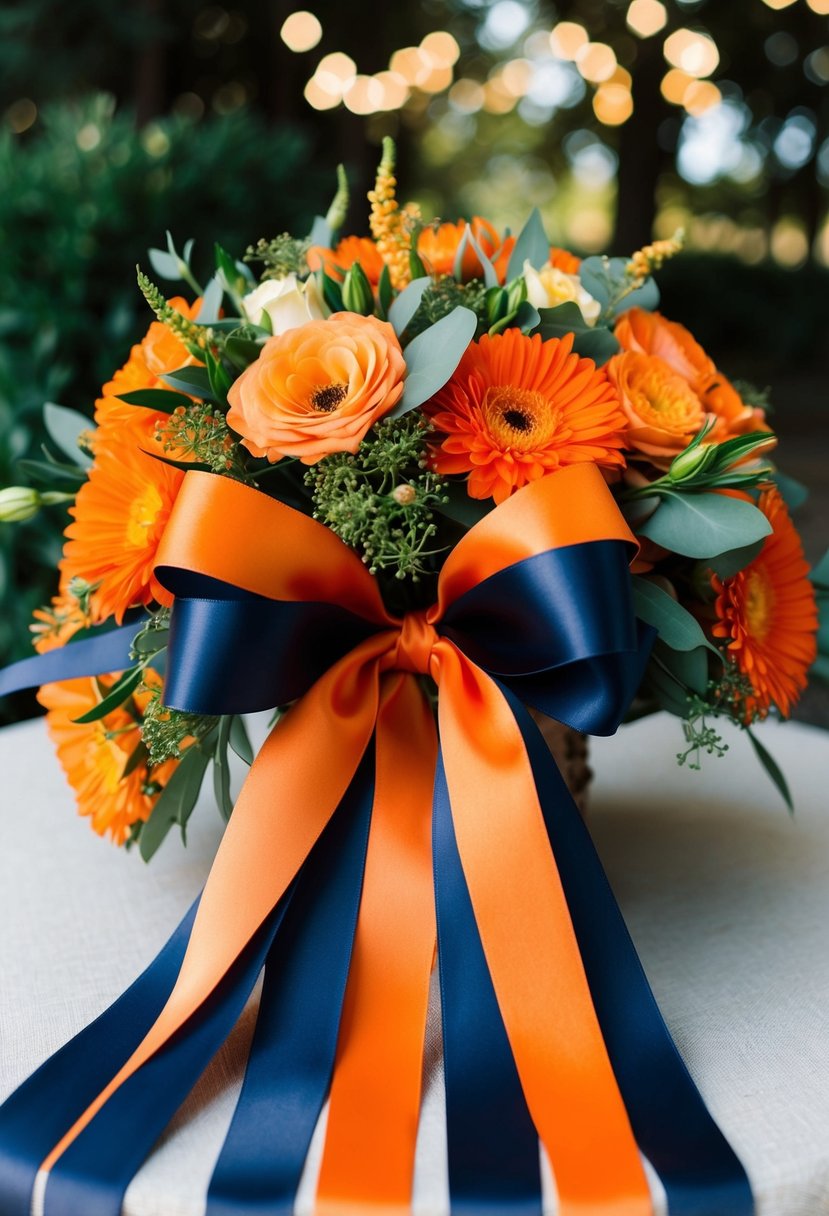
point(710, 466)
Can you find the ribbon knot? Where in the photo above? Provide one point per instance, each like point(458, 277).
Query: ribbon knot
point(415, 644)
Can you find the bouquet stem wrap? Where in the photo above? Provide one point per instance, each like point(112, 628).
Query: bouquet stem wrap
point(365, 839)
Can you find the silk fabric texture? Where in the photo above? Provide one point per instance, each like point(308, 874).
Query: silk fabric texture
point(365, 840)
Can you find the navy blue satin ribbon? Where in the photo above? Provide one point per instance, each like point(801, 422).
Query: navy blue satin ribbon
point(700, 1171)
point(494, 1161)
point(292, 1056)
point(97, 655)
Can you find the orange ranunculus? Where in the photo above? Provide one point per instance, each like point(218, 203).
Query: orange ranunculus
point(768, 614)
point(119, 517)
point(318, 389)
point(94, 755)
point(158, 353)
point(652, 334)
point(438, 245)
point(663, 411)
point(351, 249)
point(518, 408)
point(54, 625)
point(564, 260)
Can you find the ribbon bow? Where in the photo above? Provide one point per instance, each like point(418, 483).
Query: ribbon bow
point(363, 839)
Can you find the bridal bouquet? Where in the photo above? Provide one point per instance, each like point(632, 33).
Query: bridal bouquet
point(398, 489)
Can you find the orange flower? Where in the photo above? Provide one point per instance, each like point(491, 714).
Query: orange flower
point(664, 413)
point(438, 247)
point(53, 626)
point(318, 389)
point(769, 615)
point(119, 517)
point(652, 334)
point(564, 260)
point(518, 408)
point(351, 249)
point(158, 353)
point(94, 755)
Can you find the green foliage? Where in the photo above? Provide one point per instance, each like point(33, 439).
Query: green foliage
point(281, 255)
point(704, 525)
point(443, 297)
point(85, 196)
point(165, 730)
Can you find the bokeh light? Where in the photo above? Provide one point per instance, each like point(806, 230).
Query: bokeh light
point(596, 61)
point(692, 51)
point(647, 17)
point(567, 39)
point(612, 104)
point(301, 31)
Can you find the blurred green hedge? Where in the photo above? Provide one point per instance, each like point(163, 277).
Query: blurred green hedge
point(83, 198)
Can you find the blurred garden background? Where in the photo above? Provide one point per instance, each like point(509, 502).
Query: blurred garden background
point(619, 119)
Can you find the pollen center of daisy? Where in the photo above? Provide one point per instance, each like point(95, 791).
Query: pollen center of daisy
point(759, 603)
point(143, 514)
point(326, 398)
point(516, 417)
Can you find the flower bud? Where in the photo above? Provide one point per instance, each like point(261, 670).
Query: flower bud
point(18, 503)
point(692, 462)
point(497, 302)
point(404, 494)
point(357, 294)
point(516, 293)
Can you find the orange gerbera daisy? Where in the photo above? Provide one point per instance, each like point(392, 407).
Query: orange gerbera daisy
point(158, 353)
point(438, 245)
point(652, 334)
point(351, 249)
point(55, 624)
point(768, 615)
point(518, 408)
point(94, 755)
point(119, 517)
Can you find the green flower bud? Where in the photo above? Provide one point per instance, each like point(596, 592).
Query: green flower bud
point(19, 503)
point(692, 462)
point(516, 293)
point(497, 304)
point(357, 293)
point(416, 268)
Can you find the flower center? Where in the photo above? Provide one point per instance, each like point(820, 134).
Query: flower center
point(143, 514)
point(517, 418)
point(670, 403)
point(327, 397)
point(759, 603)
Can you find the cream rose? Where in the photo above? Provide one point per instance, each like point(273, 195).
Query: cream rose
point(287, 302)
point(549, 286)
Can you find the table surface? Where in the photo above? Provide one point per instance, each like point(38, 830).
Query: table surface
point(726, 895)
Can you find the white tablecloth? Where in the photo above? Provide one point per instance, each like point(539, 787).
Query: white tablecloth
point(726, 896)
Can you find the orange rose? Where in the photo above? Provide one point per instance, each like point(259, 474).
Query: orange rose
point(652, 334)
point(564, 260)
point(351, 249)
point(664, 413)
point(318, 389)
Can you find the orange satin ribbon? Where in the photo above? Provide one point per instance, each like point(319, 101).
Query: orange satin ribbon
point(227, 531)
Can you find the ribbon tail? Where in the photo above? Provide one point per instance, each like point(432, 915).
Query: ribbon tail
point(700, 1171)
point(494, 1161)
point(107, 651)
point(292, 1055)
point(531, 949)
point(369, 1153)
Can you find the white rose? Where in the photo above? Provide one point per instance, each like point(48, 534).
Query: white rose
point(287, 302)
point(549, 287)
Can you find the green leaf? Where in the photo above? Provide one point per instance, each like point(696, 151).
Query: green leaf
point(669, 691)
point(321, 233)
point(331, 293)
point(532, 245)
point(164, 264)
point(794, 492)
point(704, 525)
point(726, 565)
point(772, 768)
point(162, 400)
point(407, 303)
point(211, 301)
point(591, 342)
point(51, 471)
point(218, 376)
point(65, 427)
point(117, 695)
point(137, 756)
point(675, 625)
point(221, 768)
point(432, 357)
point(468, 238)
point(191, 380)
point(242, 351)
point(151, 641)
point(608, 282)
point(688, 667)
point(239, 739)
point(820, 572)
point(384, 292)
point(176, 801)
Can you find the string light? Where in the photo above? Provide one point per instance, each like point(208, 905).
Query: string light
point(692, 52)
point(567, 38)
point(301, 31)
point(646, 17)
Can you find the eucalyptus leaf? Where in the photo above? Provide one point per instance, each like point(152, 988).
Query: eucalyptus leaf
point(51, 471)
point(432, 357)
point(211, 301)
point(116, 696)
point(666, 689)
point(794, 492)
point(407, 303)
point(772, 768)
point(65, 427)
point(726, 565)
point(594, 342)
point(532, 245)
point(194, 381)
point(321, 233)
point(165, 265)
point(527, 317)
point(607, 280)
point(162, 400)
point(688, 667)
point(176, 801)
point(239, 739)
point(674, 624)
point(820, 572)
point(221, 768)
point(467, 240)
point(704, 525)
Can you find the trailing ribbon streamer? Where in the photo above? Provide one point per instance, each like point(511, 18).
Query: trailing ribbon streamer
point(534, 606)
